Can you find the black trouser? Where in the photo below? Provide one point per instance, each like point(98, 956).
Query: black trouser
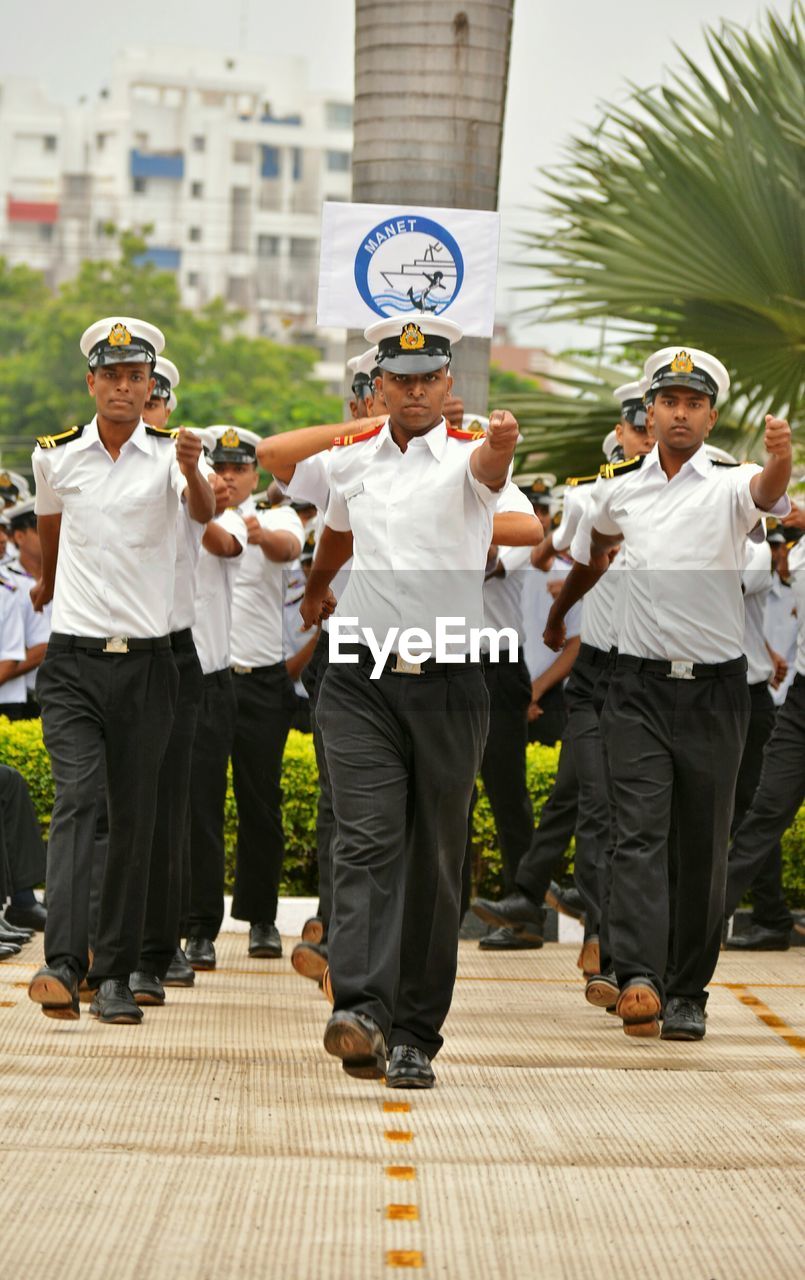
point(18, 710)
point(22, 849)
point(549, 727)
point(212, 747)
point(503, 765)
point(674, 747)
point(312, 677)
point(553, 832)
point(112, 713)
point(167, 873)
point(769, 905)
point(776, 802)
point(403, 753)
point(265, 702)
point(583, 732)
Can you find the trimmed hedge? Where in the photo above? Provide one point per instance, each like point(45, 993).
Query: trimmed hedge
point(21, 746)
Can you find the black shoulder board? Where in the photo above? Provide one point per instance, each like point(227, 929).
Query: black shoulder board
point(263, 504)
point(165, 433)
point(573, 481)
point(64, 437)
point(716, 462)
point(611, 470)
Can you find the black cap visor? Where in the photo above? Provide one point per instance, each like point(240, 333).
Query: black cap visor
point(695, 381)
point(405, 362)
point(242, 453)
point(138, 351)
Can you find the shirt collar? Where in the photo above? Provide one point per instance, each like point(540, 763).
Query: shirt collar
point(699, 461)
point(90, 436)
point(436, 438)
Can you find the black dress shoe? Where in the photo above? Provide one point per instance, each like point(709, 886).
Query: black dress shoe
point(602, 990)
point(7, 952)
point(18, 936)
point(310, 959)
point(200, 953)
point(682, 1020)
point(509, 940)
point(55, 988)
point(514, 911)
point(32, 917)
point(265, 942)
point(409, 1068)
point(180, 972)
point(146, 988)
point(758, 938)
point(359, 1043)
point(566, 900)
point(114, 1003)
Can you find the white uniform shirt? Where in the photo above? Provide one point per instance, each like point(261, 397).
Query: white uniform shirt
point(537, 601)
point(780, 628)
point(37, 625)
point(685, 540)
point(503, 592)
point(310, 482)
point(756, 579)
point(215, 585)
point(188, 547)
point(12, 640)
point(260, 592)
point(422, 527)
point(117, 549)
point(796, 568)
point(601, 605)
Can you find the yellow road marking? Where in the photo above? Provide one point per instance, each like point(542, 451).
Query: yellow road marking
point(402, 1212)
point(405, 1172)
point(398, 1135)
point(396, 1106)
point(767, 1016)
point(404, 1258)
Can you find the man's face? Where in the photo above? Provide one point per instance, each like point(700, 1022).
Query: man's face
point(415, 401)
point(27, 540)
point(240, 477)
point(121, 390)
point(371, 406)
point(681, 418)
point(156, 412)
point(779, 560)
point(543, 514)
point(635, 441)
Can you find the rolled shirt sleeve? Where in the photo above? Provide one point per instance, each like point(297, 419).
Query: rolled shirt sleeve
point(47, 501)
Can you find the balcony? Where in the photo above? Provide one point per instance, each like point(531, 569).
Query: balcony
point(42, 211)
point(169, 164)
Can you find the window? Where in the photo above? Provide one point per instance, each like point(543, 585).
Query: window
point(46, 231)
point(198, 142)
point(242, 152)
point(338, 115)
point(270, 162)
point(296, 157)
point(268, 246)
point(50, 142)
point(338, 161)
point(100, 141)
point(196, 190)
point(194, 234)
point(304, 250)
point(237, 291)
point(141, 141)
point(139, 186)
point(193, 279)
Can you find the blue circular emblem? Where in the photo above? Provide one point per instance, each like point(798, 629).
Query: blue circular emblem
point(409, 265)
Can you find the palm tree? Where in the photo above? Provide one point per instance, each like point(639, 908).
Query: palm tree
point(430, 91)
point(681, 217)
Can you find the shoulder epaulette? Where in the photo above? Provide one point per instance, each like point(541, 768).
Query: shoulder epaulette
point(573, 481)
point(456, 433)
point(164, 433)
point(716, 462)
point(357, 437)
point(611, 470)
point(264, 504)
point(64, 437)
point(9, 586)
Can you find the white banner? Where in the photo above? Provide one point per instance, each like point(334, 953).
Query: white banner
point(393, 260)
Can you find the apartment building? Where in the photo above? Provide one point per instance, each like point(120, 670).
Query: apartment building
point(226, 159)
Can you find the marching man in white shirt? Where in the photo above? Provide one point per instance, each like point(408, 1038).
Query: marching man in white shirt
point(404, 736)
point(677, 709)
point(107, 498)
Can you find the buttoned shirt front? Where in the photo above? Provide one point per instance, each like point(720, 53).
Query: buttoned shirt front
point(796, 568)
point(601, 605)
point(503, 590)
point(756, 581)
point(215, 585)
point(117, 547)
point(310, 482)
point(257, 604)
point(780, 629)
point(685, 540)
point(422, 526)
point(37, 625)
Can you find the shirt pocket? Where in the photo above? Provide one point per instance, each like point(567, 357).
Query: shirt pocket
point(699, 540)
point(136, 528)
point(436, 519)
point(79, 516)
point(365, 515)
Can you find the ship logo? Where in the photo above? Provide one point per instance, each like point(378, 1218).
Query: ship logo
point(409, 265)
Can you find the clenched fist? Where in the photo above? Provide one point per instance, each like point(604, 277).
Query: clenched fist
point(777, 439)
point(188, 450)
point(503, 431)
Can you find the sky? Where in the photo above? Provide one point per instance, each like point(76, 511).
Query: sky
point(566, 58)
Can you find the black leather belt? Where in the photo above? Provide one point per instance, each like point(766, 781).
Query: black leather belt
point(109, 644)
point(239, 670)
point(596, 657)
point(182, 639)
point(395, 665)
point(223, 677)
point(681, 670)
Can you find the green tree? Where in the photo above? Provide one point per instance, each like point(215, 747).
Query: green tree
point(680, 217)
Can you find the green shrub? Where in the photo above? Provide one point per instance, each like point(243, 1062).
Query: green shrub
point(21, 747)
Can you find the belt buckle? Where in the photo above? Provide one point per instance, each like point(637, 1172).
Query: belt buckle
point(116, 644)
point(241, 671)
point(681, 671)
point(403, 668)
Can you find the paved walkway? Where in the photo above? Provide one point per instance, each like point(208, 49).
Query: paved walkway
point(219, 1142)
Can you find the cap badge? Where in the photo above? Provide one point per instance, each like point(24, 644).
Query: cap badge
point(119, 336)
point(681, 363)
point(412, 338)
point(539, 486)
point(5, 480)
point(230, 439)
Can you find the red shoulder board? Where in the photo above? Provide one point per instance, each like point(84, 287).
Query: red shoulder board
point(457, 434)
point(360, 435)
